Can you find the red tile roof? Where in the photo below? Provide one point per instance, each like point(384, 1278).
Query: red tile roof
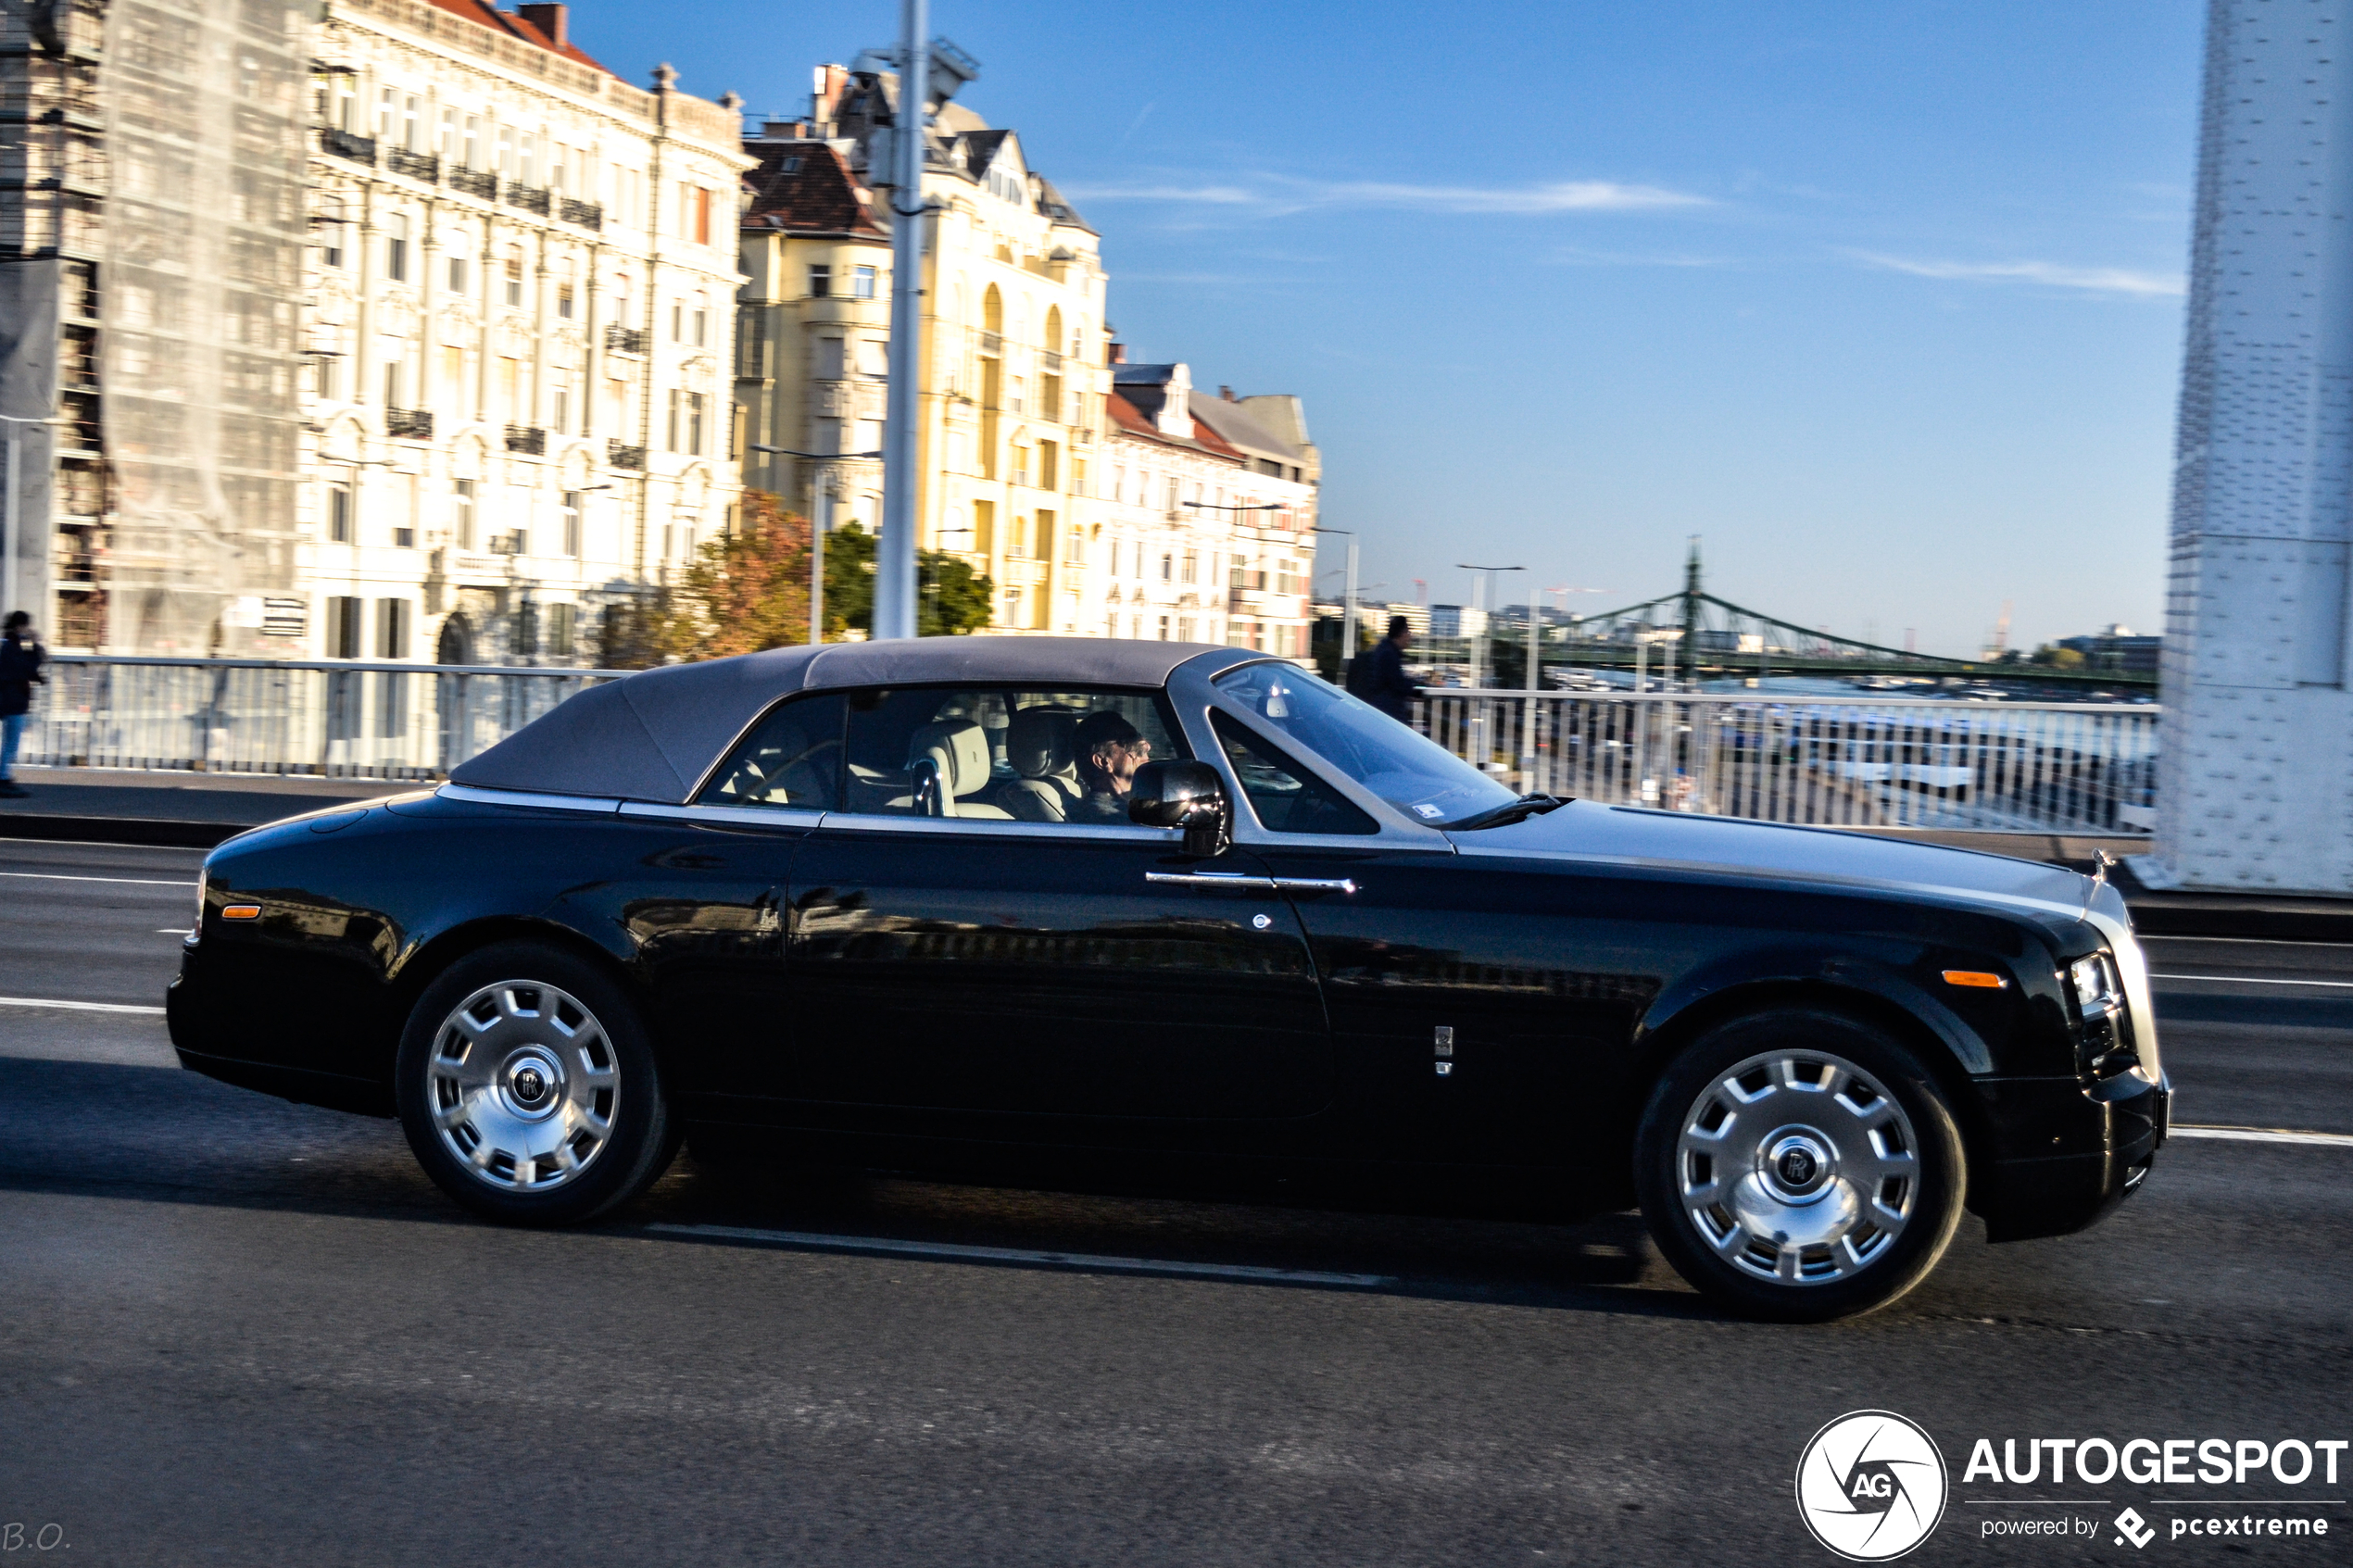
point(816, 195)
point(515, 27)
point(1132, 419)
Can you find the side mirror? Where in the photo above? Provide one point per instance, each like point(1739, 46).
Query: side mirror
point(1183, 795)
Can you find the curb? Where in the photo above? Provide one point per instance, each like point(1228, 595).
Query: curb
point(160, 833)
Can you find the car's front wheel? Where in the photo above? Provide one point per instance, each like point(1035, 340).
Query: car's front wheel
point(528, 1090)
point(1800, 1165)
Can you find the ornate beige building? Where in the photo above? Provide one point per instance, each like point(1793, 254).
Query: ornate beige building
point(386, 329)
point(1014, 362)
point(522, 325)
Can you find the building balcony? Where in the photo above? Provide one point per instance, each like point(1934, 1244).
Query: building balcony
point(474, 183)
point(626, 340)
point(530, 440)
point(410, 425)
point(417, 166)
point(348, 145)
point(531, 198)
point(623, 457)
point(588, 215)
point(1050, 361)
point(993, 343)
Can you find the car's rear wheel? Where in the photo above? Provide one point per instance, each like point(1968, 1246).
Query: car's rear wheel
point(528, 1090)
point(1800, 1165)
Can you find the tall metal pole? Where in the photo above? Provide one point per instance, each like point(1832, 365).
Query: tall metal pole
point(15, 484)
point(817, 559)
point(1348, 620)
point(895, 552)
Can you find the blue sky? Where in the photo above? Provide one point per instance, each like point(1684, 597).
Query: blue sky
point(1883, 301)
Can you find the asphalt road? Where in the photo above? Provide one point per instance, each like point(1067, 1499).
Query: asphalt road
point(233, 1330)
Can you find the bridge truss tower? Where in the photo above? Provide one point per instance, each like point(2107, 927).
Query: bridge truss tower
point(2255, 785)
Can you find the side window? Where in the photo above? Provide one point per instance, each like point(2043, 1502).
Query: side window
point(792, 757)
point(1001, 753)
point(1287, 797)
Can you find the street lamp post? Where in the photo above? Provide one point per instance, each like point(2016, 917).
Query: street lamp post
point(10, 532)
point(818, 528)
point(1480, 707)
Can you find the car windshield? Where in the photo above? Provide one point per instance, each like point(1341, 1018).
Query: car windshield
point(1412, 774)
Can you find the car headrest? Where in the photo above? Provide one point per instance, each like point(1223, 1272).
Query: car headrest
point(958, 747)
point(1040, 742)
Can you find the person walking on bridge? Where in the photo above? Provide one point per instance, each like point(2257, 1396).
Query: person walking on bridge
point(21, 657)
point(1385, 684)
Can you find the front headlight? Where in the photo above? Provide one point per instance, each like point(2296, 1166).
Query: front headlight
point(2095, 983)
point(196, 931)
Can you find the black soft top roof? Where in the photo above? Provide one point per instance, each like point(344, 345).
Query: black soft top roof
point(653, 734)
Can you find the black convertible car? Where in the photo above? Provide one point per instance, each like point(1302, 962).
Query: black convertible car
point(1085, 910)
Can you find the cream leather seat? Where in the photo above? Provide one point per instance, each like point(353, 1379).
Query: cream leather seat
point(947, 761)
point(1041, 743)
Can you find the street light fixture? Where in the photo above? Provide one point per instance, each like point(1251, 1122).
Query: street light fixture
point(824, 525)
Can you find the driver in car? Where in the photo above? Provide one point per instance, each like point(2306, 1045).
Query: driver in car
point(1110, 750)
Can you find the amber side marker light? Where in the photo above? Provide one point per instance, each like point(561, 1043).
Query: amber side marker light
point(1975, 978)
point(241, 911)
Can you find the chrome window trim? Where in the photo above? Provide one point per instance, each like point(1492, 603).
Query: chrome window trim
point(1193, 692)
point(597, 805)
point(1112, 833)
point(749, 816)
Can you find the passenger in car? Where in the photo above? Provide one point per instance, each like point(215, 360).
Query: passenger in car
point(1110, 750)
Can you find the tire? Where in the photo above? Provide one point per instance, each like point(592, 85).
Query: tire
point(528, 1089)
point(1800, 1165)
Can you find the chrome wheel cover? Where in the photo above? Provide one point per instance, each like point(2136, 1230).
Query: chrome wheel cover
point(522, 1085)
point(1797, 1168)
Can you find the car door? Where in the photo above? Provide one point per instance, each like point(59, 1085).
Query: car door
point(1464, 1020)
point(1060, 972)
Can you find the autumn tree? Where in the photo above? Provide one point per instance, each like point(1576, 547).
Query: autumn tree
point(745, 591)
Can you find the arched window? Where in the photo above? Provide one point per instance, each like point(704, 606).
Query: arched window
point(1053, 338)
point(992, 311)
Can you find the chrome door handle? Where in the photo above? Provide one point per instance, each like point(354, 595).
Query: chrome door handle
point(1314, 884)
point(1229, 882)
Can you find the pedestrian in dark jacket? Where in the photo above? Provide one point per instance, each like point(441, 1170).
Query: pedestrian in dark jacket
point(21, 657)
point(1385, 685)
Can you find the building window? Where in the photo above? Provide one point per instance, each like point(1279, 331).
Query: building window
point(331, 248)
point(461, 512)
point(862, 283)
point(474, 141)
point(450, 147)
point(1167, 570)
point(1188, 574)
point(339, 513)
point(391, 628)
point(1163, 628)
point(514, 280)
point(560, 403)
point(677, 321)
point(820, 282)
point(672, 437)
point(396, 247)
point(384, 100)
point(562, 624)
point(344, 619)
point(563, 300)
point(456, 274)
point(701, 322)
point(572, 522)
point(409, 117)
point(698, 214)
point(392, 385)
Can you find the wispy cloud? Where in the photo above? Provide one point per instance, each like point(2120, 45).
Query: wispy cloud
point(2089, 280)
point(1282, 193)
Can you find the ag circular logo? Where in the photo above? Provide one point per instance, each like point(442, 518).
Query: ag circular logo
point(1870, 1486)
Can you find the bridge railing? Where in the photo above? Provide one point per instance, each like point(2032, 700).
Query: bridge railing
point(1829, 761)
point(342, 719)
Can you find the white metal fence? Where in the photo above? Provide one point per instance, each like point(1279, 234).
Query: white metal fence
point(1834, 761)
point(1837, 762)
point(269, 716)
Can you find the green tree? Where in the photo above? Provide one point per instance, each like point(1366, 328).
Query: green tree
point(955, 598)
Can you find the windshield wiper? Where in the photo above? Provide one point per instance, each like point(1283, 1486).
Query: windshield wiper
point(1519, 811)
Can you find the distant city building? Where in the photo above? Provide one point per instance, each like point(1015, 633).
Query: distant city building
point(2117, 648)
point(1457, 621)
point(420, 352)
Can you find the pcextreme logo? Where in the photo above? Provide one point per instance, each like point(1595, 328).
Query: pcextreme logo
point(1871, 1485)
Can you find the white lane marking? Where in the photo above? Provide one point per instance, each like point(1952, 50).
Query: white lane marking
point(130, 881)
point(2266, 1135)
point(819, 1242)
point(78, 1007)
point(2257, 980)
